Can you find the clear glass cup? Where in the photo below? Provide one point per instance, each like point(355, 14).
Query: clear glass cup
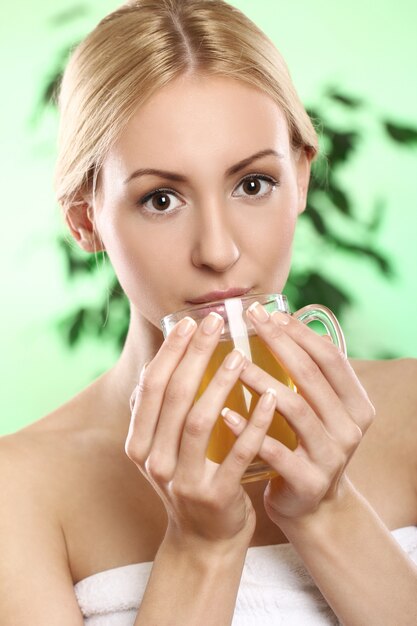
point(238, 332)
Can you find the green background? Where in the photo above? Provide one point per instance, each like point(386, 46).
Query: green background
point(366, 49)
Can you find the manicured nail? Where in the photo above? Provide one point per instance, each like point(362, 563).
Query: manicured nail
point(269, 398)
point(230, 416)
point(185, 326)
point(212, 323)
point(234, 359)
point(280, 318)
point(258, 312)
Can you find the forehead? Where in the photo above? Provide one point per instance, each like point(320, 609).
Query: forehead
point(202, 118)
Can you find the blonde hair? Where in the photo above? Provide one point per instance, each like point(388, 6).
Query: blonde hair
point(139, 48)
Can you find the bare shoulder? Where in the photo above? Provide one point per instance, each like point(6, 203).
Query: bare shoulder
point(389, 380)
point(392, 388)
point(34, 464)
point(60, 448)
point(32, 539)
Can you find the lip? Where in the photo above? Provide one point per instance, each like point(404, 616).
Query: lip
point(212, 296)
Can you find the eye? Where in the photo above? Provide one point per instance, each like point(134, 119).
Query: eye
point(159, 201)
point(254, 184)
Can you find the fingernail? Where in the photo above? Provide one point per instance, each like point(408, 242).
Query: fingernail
point(185, 326)
point(269, 398)
point(211, 323)
point(258, 312)
point(234, 359)
point(230, 416)
point(280, 318)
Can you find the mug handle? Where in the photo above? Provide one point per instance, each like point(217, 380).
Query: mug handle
point(320, 313)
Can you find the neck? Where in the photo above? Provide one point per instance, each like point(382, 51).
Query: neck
point(116, 386)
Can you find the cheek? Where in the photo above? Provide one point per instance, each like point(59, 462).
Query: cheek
point(273, 231)
point(141, 261)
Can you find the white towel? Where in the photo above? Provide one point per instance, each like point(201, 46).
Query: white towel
point(275, 590)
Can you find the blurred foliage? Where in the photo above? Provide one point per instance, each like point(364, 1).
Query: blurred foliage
point(109, 318)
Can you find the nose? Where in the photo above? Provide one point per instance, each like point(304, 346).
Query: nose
point(214, 242)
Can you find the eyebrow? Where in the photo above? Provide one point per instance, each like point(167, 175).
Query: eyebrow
point(182, 179)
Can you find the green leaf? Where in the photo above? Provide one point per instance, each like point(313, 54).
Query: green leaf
point(314, 216)
point(115, 291)
point(351, 102)
point(383, 262)
point(377, 218)
point(342, 146)
point(401, 134)
point(76, 326)
point(312, 288)
point(339, 199)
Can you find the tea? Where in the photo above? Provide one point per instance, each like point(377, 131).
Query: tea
point(243, 399)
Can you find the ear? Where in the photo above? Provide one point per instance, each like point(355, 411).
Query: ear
point(303, 168)
point(80, 220)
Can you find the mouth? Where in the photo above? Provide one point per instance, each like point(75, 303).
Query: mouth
point(213, 296)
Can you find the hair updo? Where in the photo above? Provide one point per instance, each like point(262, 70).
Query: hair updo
point(139, 48)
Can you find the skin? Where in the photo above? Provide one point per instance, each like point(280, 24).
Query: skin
point(82, 498)
point(217, 236)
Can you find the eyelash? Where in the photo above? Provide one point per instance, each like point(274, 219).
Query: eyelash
point(162, 214)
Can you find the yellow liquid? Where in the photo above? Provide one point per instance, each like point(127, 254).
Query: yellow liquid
point(243, 400)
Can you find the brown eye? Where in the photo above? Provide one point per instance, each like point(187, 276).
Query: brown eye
point(160, 201)
point(251, 186)
point(256, 186)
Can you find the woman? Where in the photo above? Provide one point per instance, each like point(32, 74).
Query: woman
point(111, 514)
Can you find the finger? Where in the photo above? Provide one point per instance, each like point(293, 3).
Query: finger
point(248, 444)
point(150, 390)
point(202, 417)
point(133, 398)
point(285, 342)
point(181, 392)
point(327, 338)
point(279, 457)
point(333, 364)
point(300, 416)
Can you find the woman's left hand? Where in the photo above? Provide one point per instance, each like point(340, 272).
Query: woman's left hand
point(329, 414)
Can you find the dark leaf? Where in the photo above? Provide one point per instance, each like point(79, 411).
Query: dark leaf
point(351, 102)
point(314, 216)
point(387, 355)
point(76, 266)
point(75, 328)
point(377, 218)
point(50, 91)
point(95, 261)
point(339, 199)
point(313, 113)
point(313, 288)
point(76, 263)
point(121, 338)
point(319, 173)
point(116, 292)
point(342, 146)
point(401, 134)
point(383, 262)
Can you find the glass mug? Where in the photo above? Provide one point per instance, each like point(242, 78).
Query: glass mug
point(238, 332)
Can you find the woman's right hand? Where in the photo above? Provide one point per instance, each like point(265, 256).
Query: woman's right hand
point(169, 434)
